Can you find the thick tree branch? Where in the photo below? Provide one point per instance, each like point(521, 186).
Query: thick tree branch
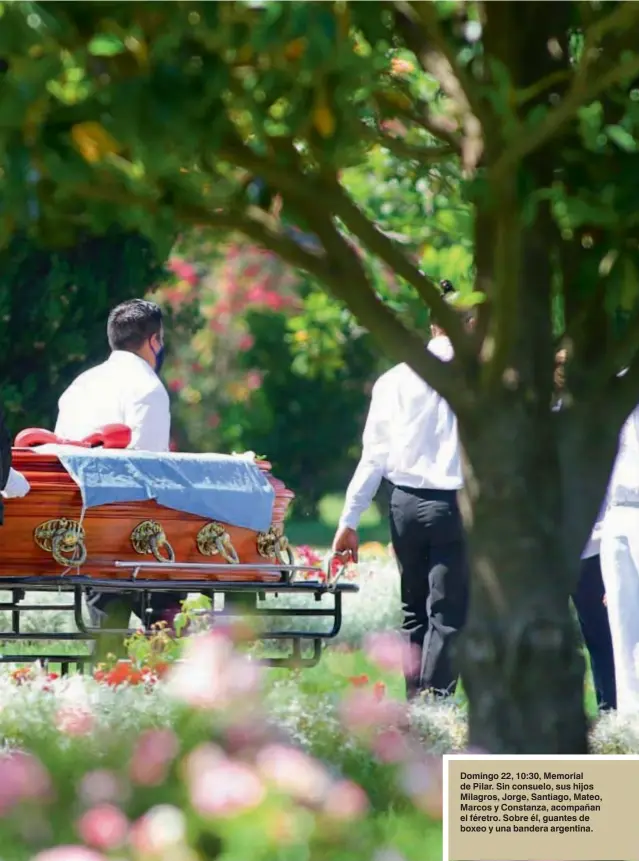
point(350, 284)
point(336, 265)
point(252, 222)
point(531, 139)
point(426, 156)
point(623, 18)
point(440, 127)
point(393, 255)
point(453, 77)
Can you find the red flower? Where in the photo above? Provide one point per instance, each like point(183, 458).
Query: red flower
point(121, 674)
point(359, 681)
point(379, 691)
point(22, 675)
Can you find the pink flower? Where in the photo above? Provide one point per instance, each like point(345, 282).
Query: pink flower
point(69, 853)
point(22, 778)
point(274, 301)
point(221, 787)
point(308, 556)
point(213, 420)
point(388, 651)
point(246, 342)
point(256, 295)
point(103, 827)
point(362, 711)
point(254, 380)
point(184, 271)
point(212, 675)
point(346, 801)
point(101, 787)
point(155, 751)
point(422, 781)
point(390, 745)
point(159, 830)
point(295, 773)
point(74, 721)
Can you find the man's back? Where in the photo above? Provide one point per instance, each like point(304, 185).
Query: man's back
point(423, 446)
point(122, 390)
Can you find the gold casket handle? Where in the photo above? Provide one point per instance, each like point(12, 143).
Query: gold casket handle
point(213, 539)
point(64, 540)
point(148, 537)
point(275, 545)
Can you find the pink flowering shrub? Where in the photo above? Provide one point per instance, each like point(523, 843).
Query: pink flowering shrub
point(221, 779)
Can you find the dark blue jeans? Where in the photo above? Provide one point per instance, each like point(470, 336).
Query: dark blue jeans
point(595, 629)
point(428, 540)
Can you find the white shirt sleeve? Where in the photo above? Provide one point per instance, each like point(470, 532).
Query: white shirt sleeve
point(17, 485)
point(149, 418)
point(372, 465)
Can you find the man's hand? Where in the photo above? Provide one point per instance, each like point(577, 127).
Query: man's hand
point(346, 541)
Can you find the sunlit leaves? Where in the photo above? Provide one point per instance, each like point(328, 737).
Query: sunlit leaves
point(622, 137)
point(106, 45)
point(93, 141)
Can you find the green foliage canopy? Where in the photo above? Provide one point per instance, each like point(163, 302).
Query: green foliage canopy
point(162, 114)
point(53, 310)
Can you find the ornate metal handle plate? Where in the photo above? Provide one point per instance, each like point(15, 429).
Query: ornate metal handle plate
point(64, 540)
point(149, 538)
point(274, 545)
point(213, 539)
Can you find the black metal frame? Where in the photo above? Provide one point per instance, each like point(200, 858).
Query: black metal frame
point(79, 584)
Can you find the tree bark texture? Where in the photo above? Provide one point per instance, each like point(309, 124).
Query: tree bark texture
point(521, 663)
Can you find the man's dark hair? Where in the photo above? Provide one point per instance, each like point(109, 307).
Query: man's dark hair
point(132, 323)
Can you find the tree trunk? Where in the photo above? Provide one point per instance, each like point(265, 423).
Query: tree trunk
point(520, 659)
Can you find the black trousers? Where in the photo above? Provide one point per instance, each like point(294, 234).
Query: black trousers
point(595, 629)
point(428, 540)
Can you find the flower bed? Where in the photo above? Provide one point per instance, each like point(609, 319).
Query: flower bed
point(213, 757)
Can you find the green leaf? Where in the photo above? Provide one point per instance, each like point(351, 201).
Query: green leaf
point(622, 138)
point(470, 300)
point(106, 45)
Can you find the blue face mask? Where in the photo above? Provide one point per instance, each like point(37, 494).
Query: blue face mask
point(159, 358)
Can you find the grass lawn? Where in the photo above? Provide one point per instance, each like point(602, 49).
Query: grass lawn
point(320, 532)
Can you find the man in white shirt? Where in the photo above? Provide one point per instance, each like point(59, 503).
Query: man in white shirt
point(410, 439)
point(620, 564)
point(126, 389)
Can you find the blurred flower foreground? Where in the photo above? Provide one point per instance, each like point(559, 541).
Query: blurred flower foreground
point(191, 750)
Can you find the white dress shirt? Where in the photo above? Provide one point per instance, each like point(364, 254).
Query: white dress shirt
point(410, 438)
point(624, 482)
point(122, 390)
point(594, 542)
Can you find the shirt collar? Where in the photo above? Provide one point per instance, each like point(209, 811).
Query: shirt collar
point(124, 357)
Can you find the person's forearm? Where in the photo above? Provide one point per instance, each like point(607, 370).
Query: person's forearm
point(361, 492)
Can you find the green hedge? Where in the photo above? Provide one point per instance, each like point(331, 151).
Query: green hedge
point(53, 311)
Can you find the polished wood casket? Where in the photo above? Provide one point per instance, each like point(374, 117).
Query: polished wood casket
point(45, 533)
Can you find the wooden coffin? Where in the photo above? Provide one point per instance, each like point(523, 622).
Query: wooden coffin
point(42, 534)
